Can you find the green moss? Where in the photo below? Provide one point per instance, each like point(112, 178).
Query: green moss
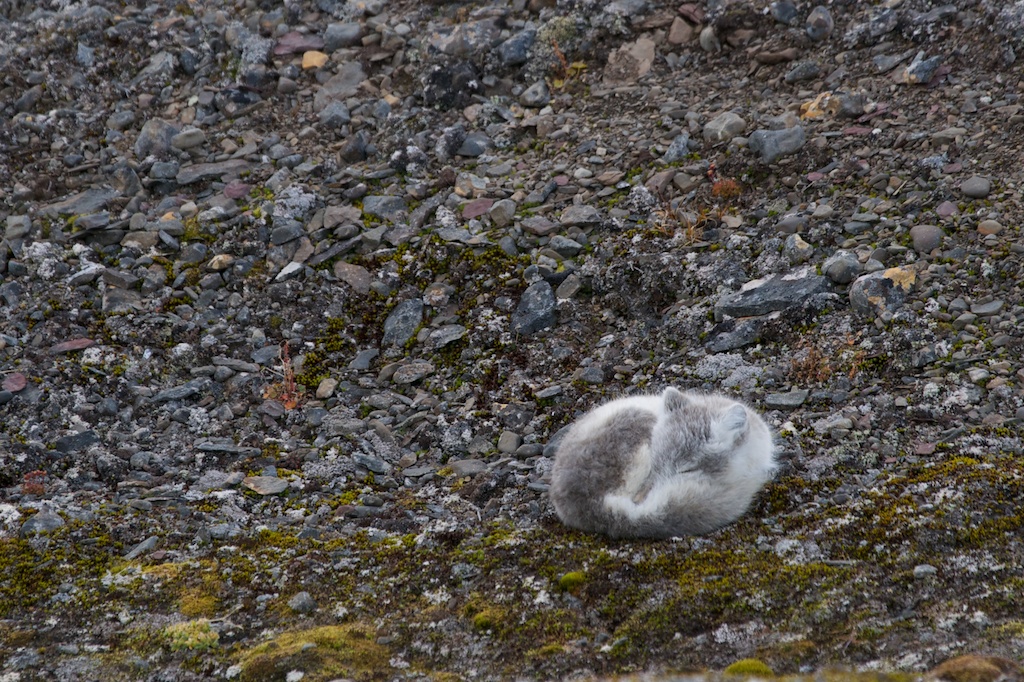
point(193, 635)
point(572, 580)
point(750, 667)
point(322, 653)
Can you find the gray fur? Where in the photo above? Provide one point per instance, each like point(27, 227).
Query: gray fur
point(589, 464)
point(693, 440)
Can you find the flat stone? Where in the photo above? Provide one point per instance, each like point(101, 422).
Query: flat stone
point(207, 171)
point(540, 226)
point(341, 86)
point(188, 138)
point(76, 442)
point(761, 297)
point(987, 227)
point(83, 203)
point(356, 276)
point(383, 206)
point(265, 485)
point(412, 372)
point(144, 547)
point(371, 463)
point(476, 208)
point(44, 521)
point(467, 467)
point(536, 309)
point(772, 145)
point(446, 334)
point(976, 187)
point(580, 215)
point(363, 359)
point(794, 398)
point(735, 333)
point(186, 390)
point(403, 322)
point(294, 42)
point(987, 309)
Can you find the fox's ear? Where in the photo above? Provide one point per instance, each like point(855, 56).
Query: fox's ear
point(674, 399)
point(734, 420)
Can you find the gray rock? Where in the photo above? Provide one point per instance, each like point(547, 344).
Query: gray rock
point(302, 603)
point(155, 138)
point(446, 334)
point(334, 115)
point(536, 309)
point(926, 238)
point(516, 50)
point(403, 322)
point(412, 372)
point(287, 232)
point(880, 292)
point(592, 374)
point(790, 400)
point(922, 70)
point(18, 226)
point(724, 127)
point(383, 206)
point(147, 545)
point(465, 39)
point(89, 201)
point(341, 35)
point(265, 485)
point(678, 150)
point(564, 246)
point(340, 86)
point(779, 292)
point(206, 171)
point(467, 467)
point(474, 144)
point(536, 96)
point(364, 359)
point(774, 144)
point(842, 267)
point(819, 24)
point(186, 390)
point(735, 333)
point(784, 12)
point(803, 71)
point(581, 215)
point(502, 212)
point(509, 441)
point(371, 463)
point(44, 521)
point(976, 187)
point(987, 309)
point(76, 442)
point(188, 138)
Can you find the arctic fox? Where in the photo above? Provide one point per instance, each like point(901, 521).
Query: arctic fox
point(658, 466)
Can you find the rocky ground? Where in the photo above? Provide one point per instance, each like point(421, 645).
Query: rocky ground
point(296, 298)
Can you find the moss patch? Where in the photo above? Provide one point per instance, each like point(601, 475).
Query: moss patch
point(322, 653)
